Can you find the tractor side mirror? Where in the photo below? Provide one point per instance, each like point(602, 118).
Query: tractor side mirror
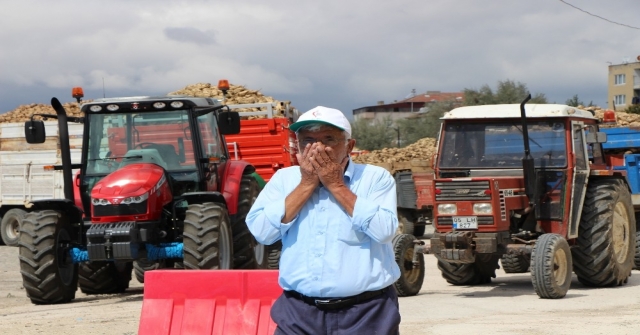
point(34, 131)
point(598, 137)
point(229, 123)
point(181, 155)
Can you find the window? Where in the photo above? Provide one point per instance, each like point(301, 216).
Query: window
point(619, 99)
point(619, 79)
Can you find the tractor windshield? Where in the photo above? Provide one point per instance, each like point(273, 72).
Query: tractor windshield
point(162, 138)
point(501, 145)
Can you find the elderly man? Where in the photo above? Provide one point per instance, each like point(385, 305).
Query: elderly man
point(336, 220)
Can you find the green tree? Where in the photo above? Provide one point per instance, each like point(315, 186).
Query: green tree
point(507, 92)
point(574, 101)
point(373, 135)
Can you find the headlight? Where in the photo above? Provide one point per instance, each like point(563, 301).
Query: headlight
point(113, 108)
point(95, 108)
point(176, 104)
point(98, 202)
point(135, 200)
point(159, 105)
point(447, 209)
point(482, 208)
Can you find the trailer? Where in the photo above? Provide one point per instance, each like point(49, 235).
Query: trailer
point(25, 175)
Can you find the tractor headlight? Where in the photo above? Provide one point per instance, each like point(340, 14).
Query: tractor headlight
point(447, 209)
point(482, 208)
point(135, 200)
point(99, 202)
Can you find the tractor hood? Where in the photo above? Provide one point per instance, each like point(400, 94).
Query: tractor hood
point(132, 180)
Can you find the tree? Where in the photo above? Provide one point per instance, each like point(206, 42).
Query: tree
point(507, 92)
point(574, 101)
point(373, 135)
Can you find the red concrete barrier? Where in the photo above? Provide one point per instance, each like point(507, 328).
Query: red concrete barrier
point(192, 302)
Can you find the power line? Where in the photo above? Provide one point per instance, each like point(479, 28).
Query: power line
point(600, 17)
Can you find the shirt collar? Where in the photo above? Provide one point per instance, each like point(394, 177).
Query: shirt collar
point(350, 170)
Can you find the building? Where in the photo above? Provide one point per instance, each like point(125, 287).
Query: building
point(412, 107)
point(624, 85)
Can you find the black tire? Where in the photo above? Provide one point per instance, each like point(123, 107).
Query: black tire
point(10, 226)
point(411, 277)
point(418, 230)
point(142, 265)
point(103, 277)
point(208, 243)
point(245, 247)
point(551, 266)
point(48, 274)
point(636, 262)
point(268, 256)
point(606, 243)
point(405, 223)
point(515, 263)
point(479, 272)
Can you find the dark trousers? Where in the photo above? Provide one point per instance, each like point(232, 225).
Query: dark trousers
point(380, 315)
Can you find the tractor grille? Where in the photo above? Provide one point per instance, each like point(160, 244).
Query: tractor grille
point(448, 221)
point(116, 210)
point(462, 190)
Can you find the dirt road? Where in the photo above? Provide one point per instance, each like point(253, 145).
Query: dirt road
point(506, 306)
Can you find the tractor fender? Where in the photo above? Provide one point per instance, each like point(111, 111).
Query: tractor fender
point(66, 206)
point(202, 197)
point(231, 182)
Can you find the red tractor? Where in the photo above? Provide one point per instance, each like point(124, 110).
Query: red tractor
point(535, 188)
point(155, 189)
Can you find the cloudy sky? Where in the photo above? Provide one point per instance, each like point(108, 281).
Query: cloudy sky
point(336, 53)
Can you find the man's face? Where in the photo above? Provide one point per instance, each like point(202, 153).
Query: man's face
point(329, 136)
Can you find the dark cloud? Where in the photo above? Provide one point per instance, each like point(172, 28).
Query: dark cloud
point(190, 35)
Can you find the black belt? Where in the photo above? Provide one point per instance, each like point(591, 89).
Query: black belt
point(336, 303)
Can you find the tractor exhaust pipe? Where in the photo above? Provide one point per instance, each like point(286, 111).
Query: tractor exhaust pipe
point(65, 150)
point(528, 165)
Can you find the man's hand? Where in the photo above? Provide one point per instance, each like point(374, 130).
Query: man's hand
point(330, 171)
point(309, 175)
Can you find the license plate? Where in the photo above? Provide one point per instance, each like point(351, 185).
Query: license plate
point(465, 222)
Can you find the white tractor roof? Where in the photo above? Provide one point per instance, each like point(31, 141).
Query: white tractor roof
point(513, 111)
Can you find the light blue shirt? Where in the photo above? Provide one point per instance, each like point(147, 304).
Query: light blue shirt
point(325, 252)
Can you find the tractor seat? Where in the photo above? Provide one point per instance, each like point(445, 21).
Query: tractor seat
point(143, 156)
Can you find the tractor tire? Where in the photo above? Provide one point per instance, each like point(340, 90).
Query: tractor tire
point(515, 263)
point(636, 262)
point(142, 265)
point(48, 274)
point(10, 226)
point(268, 256)
point(551, 266)
point(103, 277)
point(207, 239)
point(479, 272)
point(405, 223)
point(411, 277)
point(245, 247)
point(606, 243)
